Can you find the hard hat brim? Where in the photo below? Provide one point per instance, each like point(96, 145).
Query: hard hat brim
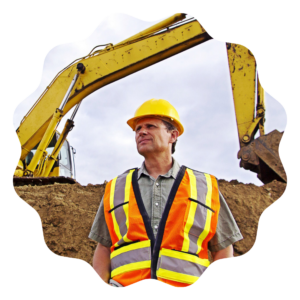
point(132, 122)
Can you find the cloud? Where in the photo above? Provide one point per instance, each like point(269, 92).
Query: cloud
point(196, 82)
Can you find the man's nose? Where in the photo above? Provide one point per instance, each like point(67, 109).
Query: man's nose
point(143, 131)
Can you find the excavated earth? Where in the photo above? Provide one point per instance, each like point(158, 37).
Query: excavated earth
point(67, 212)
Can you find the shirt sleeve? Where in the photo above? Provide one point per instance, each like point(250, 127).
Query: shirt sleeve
point(227, 231)
point(99, 231)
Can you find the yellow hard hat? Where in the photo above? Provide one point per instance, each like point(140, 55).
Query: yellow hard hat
point(157, 108)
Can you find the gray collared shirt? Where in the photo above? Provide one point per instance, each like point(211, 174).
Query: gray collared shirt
point(155, 193)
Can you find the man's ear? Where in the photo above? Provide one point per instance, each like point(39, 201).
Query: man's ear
point(174, 136)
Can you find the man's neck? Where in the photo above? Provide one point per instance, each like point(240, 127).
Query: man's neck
point(156, 166)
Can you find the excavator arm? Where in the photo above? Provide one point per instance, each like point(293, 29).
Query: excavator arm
point(106, 66)
point(101, 67)
point(258, 155)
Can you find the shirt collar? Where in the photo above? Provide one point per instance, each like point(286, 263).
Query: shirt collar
point(171, 173)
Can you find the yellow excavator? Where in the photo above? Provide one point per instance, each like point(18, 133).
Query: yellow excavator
point(37, 131)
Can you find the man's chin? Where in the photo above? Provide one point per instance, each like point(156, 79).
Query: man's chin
point(144, 151)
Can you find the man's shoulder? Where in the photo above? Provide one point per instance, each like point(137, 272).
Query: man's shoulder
point(200, 172)
point(125, 173)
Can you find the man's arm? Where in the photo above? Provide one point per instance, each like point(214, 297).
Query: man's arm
point(224, 253)
point(227, 233)
point(101, 262)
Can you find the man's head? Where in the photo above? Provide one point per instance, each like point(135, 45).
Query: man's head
point(165, 129)
point(155, 136)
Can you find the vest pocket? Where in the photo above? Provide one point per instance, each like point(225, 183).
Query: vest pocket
point(135, 256)
point(196, 201)
point(180, 266)
point(117, 206)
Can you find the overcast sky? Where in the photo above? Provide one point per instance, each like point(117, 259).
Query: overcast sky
point(196, 82)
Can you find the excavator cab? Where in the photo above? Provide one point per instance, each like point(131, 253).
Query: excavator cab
point(65, 163)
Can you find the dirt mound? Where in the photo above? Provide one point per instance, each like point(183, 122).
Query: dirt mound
point(67, 212)
point(247, 202)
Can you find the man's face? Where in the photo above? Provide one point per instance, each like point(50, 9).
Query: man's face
point(152, 137)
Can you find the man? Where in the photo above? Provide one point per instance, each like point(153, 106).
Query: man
point(159, 221)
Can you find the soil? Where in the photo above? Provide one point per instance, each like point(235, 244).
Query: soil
point(67, 212)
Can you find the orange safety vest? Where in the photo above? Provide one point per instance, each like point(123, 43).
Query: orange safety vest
point(178, 255)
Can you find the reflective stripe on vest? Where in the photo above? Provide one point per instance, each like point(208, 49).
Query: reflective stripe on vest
point(119, 196)
point(178, 255)
point(198, 218)
point(131, 247)
point(180, 266)
point(132, 257)
point(183, 255)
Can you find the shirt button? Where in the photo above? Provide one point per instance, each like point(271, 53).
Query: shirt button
point(156, 204)
point(156, 227)
point(157, 184)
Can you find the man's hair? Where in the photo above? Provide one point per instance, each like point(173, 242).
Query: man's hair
point(170, 127)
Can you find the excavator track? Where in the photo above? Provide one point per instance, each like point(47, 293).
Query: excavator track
point(21, 181)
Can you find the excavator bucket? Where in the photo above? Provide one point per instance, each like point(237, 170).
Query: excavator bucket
point(261, 156)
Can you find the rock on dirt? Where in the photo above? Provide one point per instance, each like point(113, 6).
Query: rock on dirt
point(67, 212)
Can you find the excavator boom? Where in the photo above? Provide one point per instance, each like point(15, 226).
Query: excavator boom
point(106, 66)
